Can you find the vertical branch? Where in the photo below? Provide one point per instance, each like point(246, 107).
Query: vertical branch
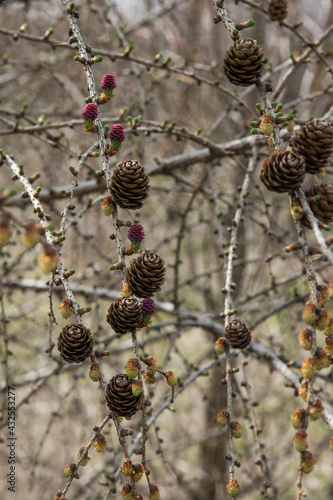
point(91, 88)
point(261, 456)
point(228, 300)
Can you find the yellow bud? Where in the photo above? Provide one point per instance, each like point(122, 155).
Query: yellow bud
point(85, 460)
point(69, 470)
point(300, 441)
point(154, 492)
point(266, 125)
point(220, 346)
point(5, 232)
point(108, 206)
point(65, 308)
point(171, 379)
point(305, 339)
point(321, 359)
point(48, 259)
point(100, 443)
point(309, 313)
point(127, 468)
point(307, 463)
point(222, 418)
point(329, 346)
point(329, 328)
point(316, 409)
point(233, 488)
point(150, 378)
point(308, 368)
point(323, 319)
point(94, 372)
point(297, 418)
point(303, 390)
point(32, 233)
point(236, 430)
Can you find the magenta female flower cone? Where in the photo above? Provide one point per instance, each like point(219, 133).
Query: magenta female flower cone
point(136, 234)
point(117, 136)
point(108, 84)
point(89, 115)
point(148, 308)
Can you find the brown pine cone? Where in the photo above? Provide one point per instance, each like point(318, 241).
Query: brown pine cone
point(314, 141)
point(323, 208)
point(238, 334)
point(129, 185)
point(277, 9)
point(243, 63)
point(283, 171)
point(146, 275)
point(119, 396)
point(124, 315)
point(75, 343)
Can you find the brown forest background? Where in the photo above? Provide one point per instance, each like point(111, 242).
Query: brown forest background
point(197, 162)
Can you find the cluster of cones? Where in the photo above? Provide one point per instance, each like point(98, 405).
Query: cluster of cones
point(309, 149)
point(145, 276)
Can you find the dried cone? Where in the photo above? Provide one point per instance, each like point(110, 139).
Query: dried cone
point(119, 396)
point(124, 315)
point(320, 199)
point(283, 171)
point(314, 141)
point(277, 9)
point(146, 274)
point(244, 62)
point(129, 185)
point(238, 334)
point(75, 343)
